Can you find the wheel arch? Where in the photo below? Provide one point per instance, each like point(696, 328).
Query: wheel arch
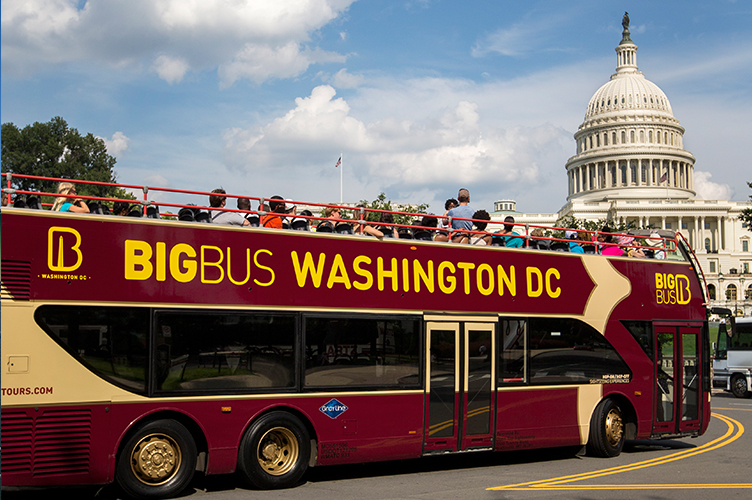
point(629, 415)
point(199, 437)
point(300, 415)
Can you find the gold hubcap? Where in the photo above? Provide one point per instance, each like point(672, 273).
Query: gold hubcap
point(614, 427)
point(278, 451)
point(155, 459)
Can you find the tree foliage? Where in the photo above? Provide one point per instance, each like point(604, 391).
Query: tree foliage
point(572, 222)
point(54, 149)
point(381, 203)
point(746, 216)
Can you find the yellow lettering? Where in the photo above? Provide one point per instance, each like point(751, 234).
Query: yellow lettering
point(60, 266)
point(670, 281)
point(365, 273)
point(508, 280)
point(682, 297)
point(140, 260)
point(247, 267)
point(405, 275)
point(552, 293)
point(217, 264)
point(175, 267)
point(420, 275)
point(316, 272)
point(449, 283)
point(485, 268)
point(392, 273)
point(531, 292)
point(271, 271)
point(466, 267)
point(338, 273)
point(161, 261)
point(658, 280)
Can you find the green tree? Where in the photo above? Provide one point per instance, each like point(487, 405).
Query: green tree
point(381, 203)
point(572, 222)
point(54, 149)
point(746, 215)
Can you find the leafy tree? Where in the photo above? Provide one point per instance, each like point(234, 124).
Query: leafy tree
point(54, 149)
point(572, 222)
point(746, 215)
point(381, 203)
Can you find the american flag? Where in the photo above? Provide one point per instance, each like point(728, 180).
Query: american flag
point(339, 162)
point(664, 177)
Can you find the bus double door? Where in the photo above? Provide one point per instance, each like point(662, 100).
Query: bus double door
point(460, 386)
point(677, 378)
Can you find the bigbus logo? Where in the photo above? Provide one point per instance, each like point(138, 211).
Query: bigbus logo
point(672, 289)
point(63, 247)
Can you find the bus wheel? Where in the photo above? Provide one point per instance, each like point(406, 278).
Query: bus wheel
point(606, 430)
point(157, 461)
point(274, 452)
point(739, 386)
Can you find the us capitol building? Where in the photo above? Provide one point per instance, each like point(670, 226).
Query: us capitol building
point(631, 166)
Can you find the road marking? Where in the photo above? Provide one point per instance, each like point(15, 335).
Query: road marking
point(733, 432)
point(734, 409)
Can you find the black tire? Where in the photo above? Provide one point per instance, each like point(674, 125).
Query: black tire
point(606, 437)
point(157, 461)
point(274, 452)
point(739, 386)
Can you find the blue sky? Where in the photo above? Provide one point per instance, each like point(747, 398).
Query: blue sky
point(422, 96)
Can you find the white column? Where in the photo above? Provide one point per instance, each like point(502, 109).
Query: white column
point(702, 232)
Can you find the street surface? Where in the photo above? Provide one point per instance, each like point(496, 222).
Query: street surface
point(716, 464)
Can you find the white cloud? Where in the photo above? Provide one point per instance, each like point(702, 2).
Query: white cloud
point(451, 146)
point(708, 190)
point(156, 180)
point(344, 80)
point(117, 145)
point(254, 39)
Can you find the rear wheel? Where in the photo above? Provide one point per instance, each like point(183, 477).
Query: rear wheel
point(274, 451)
point(157, 461)
point(606, 430)
point(739, 386)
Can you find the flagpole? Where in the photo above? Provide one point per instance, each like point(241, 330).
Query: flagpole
point(341, 168)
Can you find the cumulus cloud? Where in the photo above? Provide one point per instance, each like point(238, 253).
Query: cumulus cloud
point(344, 80)
point(118, 144)
point(708, 190)
point(453, 145)
point(251, 39)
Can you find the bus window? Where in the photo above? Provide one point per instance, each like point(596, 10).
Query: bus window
point(642, 331)
point(361, 352)
point(223, 351)
point(742, 339)
point(567, 351)
point(513, 366)
point(110, 341)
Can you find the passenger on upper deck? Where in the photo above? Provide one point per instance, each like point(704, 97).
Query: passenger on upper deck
point(463, 210)
point(386, 219)
point(63, 204)
point(220, 216)
point(273, 219)
point(481, 239)
point(574, 247)
point(511, 238)
point(608, 247)
point(656, 242)
point(331, 214)
point(366, 228)
point(120, 208)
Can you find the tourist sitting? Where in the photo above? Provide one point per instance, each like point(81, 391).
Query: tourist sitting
point(606, 243)
point(65, 204)
point(387, 229)
point(302, 223)
point(656, 243)
point(480, 239)
point(363, 227)
point(511, 238)
point(273, 219)
point(216, 200)
point(427, 229)
point(120, 208)
point(574, 247)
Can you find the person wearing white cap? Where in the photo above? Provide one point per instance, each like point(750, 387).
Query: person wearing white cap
point(655, 241)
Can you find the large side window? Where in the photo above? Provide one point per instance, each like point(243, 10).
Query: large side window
point(642, 331)
point(742, 340)
point(113, 342)
point(224, 351)
point(568, 351)
point(363, 352)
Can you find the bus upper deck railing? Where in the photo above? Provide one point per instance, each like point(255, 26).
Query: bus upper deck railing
point(656, 244)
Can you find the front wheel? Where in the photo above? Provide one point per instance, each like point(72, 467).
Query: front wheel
point(739, 386)
point(157, 461)
point(606, 430)
point(274, 451)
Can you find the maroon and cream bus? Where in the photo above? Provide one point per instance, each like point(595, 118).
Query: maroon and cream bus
point(139, 350)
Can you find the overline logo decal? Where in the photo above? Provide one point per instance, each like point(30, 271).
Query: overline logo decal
point(60, 245)
point(333, 408)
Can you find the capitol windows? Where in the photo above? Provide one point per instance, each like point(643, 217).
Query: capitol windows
point(605, 139)
point(745, 245)
point(642, 136)
point(665, 138)
point(731, 292)
point(631, 136)
point(591, 142)
point(613, 138)
point(707, 245)
point(623, 137)
point(598, 140)
point(650, 136)
point(712, 266)
point(711, 292)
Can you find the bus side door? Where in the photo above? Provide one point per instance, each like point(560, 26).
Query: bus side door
point(678, 375)
point(460, 386)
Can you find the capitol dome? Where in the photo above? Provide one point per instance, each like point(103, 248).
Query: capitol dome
point(630, 145)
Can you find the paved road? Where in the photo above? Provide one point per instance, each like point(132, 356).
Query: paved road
point(714, 465)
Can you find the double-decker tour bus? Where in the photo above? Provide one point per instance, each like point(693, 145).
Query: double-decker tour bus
point(142, 349)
